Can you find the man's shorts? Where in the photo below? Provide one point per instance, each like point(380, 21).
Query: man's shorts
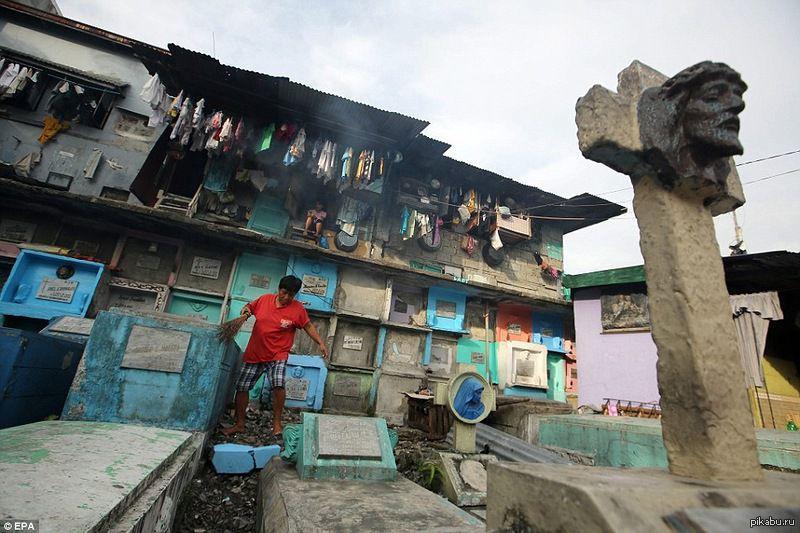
point(250, 372)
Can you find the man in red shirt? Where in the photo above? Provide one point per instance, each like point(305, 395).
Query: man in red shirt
point(277, 318)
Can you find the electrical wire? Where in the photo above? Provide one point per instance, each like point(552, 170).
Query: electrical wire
point(776, 156)
point(770, 177)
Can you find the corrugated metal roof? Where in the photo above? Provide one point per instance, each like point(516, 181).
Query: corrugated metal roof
point(109, 82)
point(767, 271)
point(206, 76)
point(72, 25)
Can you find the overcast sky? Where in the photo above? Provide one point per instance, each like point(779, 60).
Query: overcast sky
point(499, 81)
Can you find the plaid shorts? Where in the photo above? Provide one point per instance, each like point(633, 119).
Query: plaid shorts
point(250, 373)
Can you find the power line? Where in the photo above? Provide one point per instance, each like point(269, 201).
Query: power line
point(770, 177)
point(768, 157)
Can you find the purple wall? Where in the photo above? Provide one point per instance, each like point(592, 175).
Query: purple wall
point(611, 365)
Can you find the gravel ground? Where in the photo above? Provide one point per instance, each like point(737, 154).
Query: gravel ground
point(227, 503)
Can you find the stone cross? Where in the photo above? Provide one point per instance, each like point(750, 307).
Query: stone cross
point(675, 138)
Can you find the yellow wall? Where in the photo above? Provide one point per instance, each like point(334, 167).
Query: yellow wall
point(781, 377)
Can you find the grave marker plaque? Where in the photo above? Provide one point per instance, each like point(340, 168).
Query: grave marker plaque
point(345, 436)
point(57, 290)
point(345, 447)
point(148, 261)
point(352, 342)
point(72, 324)
point(316, 285)
point(347, 386)
point(204, 267)
point(156, 349)
point(16, 230)
point(257, 280)
point(296, 389)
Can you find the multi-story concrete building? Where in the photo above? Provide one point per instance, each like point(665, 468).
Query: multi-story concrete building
point(423, 262)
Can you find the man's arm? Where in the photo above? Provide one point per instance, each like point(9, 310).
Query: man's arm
point(312, 332)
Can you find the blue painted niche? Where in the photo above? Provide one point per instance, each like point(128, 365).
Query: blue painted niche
point(34, 290)
point(35, 374)
point(189, 304)
point(548, 329)
point(256, 275)
point(305, 382)
point(446, 309)
point(319, 282)
point(269, 216)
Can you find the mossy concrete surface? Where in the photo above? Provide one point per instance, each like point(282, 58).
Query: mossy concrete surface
point(81, 476)
point(637, 442)
point(289, 504)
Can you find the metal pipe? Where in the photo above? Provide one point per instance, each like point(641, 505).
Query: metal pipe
point(486, 359)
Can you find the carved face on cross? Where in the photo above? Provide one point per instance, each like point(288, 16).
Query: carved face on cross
point(708, 99)
point(689, 125)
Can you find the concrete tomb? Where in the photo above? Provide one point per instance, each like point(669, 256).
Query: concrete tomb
point(153, 369)
point(674, 138)
point(95, 476)
point(465, 477)
point(345, 447)
point(289, 504)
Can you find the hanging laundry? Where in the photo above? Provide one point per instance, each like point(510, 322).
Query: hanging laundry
point(296, 149)
point(159, 112)
point(423, 223)
point(239, 134)
point(285, 133)
point(213, 130)
point(52, 126)
point(227, 131)
point(183, 122)
point(347, 161)
point(26, 163)
point(362, 164)
point(220, 170)
point(351, 212)
point(404, 216)
point(468, 244)
point(265, 140)
point(152, 91)
point(8, 75)
point(495, 240)
point(327, 161)
point(313, 159)
point(186, 130)
point(198, 126)
point(12, 87)
point(30, 79)
point(176, 105)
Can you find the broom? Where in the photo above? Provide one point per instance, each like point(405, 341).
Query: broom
point(228, 330)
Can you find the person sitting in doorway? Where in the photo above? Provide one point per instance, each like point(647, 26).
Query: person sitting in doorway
point(315, 219)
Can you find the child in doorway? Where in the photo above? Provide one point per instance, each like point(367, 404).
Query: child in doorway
point(315, 218)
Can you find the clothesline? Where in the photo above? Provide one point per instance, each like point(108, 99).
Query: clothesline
point(525, 215)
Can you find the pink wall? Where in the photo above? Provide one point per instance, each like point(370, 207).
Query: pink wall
point(611, 365)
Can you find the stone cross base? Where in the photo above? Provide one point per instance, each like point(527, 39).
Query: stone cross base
point(540, 497)
point(706, 420)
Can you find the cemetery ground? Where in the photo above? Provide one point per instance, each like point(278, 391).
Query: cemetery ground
point(225, 502)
